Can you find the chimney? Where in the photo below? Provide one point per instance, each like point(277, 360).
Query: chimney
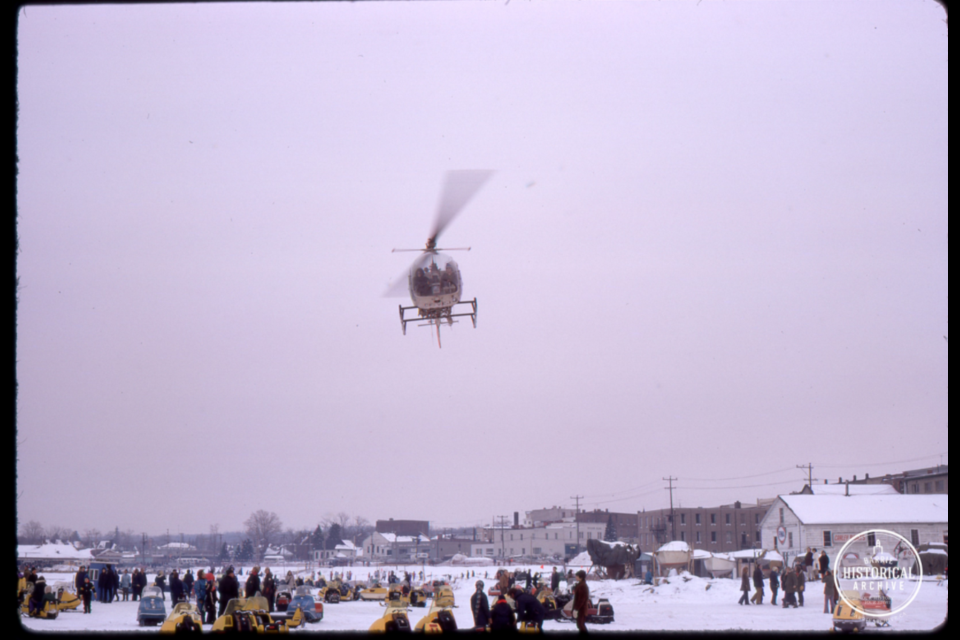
point(866, 476)
point(848, 488)
point(854, 477)
point(516, 518)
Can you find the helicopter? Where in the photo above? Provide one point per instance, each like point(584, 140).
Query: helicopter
point(433, 280)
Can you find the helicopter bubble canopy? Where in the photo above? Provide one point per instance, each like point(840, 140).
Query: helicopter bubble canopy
point(434, 280)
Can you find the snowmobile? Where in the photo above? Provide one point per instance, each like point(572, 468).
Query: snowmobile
point(151, 609)
point(418, 597)
point(49, 610)
point(67, 600)
point(549, 601)
point(394, 619)
point(312, 609)
point(178, 615)
point(440, 617)
point(250, 614)
point(375, 592)
point(283, 600)
point(847, 618)
point(601, 613)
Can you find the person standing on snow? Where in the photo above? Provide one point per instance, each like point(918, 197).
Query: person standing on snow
point(789, 583)
point(200, 592)
point(801, 585)
point(86, 594)
point(774, 584)
point(229, 589)
point(480, 607)
point(758, 584)
point(176, 588)
point(824, 562)
point(529, 609)
point(829, 592)
point(253, 582)
point(554, 580)
point(125, 582)
point(501, 616)
point(744, 586)
point(269, 589)
point(581, 601)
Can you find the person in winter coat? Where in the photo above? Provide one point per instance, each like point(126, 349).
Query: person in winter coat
point(801, 584)
point(80, 579)
point(187, 580)
point(161, 582)
point(503, 579)
point(253, 582)
point(529, 609)
point(480, 607)
point(114, 585)
point(35, 605)
point(200, 591)
point(501, 616)
point(210, 602)
point(125, 582)
point(789, 583)
point(581, 600)
point(744, 586)
point(554, 580)
point(269, 588)
point(774, 584)
point(808, 562)
point(824, 562)
point(86, 594)
point(229, 589)
point(139, 582)
point(102, 580)
point(176, 588)
point(758, 584)
point(829, 592)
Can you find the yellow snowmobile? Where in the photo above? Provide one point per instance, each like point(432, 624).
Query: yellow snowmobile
point(375, 592)
point(49, 610)
point(394, 618)
point(250, 614)
point(418, 597)
point(549, 602)
point(178, 616)
point(440, 617)
point(847, 618)
point(67, 600)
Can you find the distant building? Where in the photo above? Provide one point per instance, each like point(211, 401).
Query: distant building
point(545, 516)
point(557, 539)
point(404, 527)
point(446, 548)
point(390, 547)
point(848, 489)
point(625, 524)
point(717, 529)
point(826, 522)
point(917, 481)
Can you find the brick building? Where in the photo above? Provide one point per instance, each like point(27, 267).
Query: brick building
point(625, 524)
point(725, 528)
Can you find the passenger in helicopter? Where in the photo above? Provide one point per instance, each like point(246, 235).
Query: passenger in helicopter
point(448, 279)
point(420, 283)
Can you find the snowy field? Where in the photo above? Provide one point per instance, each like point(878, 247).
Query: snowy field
point(690, 604)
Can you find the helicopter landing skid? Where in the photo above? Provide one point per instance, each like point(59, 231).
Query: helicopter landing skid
point(437, 316)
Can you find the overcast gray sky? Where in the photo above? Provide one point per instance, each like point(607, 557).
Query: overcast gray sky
point(715, 246)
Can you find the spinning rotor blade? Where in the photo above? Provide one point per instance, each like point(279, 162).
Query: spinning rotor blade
point(399, 288)
point(458, 188)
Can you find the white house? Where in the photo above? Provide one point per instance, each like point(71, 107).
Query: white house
point(389, 547)
point(825, 522)
point(557, 539)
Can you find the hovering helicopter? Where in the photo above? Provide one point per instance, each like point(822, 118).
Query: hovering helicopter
point(433, 280)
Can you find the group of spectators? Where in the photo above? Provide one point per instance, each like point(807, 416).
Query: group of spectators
point(502, 617)
point(792, 581)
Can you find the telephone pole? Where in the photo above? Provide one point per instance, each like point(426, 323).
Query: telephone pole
point(673, 524)
point(501, 521)
point(577, 519)
point(810, 478)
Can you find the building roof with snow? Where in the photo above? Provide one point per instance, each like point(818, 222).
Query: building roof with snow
point(867, 509)
point(676, 545)
point(53, 551)
point(849, 489)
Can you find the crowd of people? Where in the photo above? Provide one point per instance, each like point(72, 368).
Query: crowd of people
point(792, 581)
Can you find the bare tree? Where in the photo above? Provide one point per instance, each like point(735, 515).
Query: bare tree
point(56, 532)
point(31, 533)
point(262, 528)
point(91, 537)
point(343, 519)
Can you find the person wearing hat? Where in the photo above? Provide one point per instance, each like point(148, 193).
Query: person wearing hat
point(253, 582)
point(529, 609)
point(210, 601)
point(229, 589)
point(581, 600)
point(86, 594)
point(480, 607)
point(501, 616)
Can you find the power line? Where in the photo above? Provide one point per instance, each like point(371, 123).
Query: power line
point(876, 464)
point(756, 475)
point(673, 521)
point(742, 486)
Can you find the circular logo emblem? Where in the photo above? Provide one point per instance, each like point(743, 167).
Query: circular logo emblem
point(782, 534)
point(878, 573)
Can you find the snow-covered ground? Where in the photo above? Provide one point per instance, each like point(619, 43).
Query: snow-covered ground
point(683, 604)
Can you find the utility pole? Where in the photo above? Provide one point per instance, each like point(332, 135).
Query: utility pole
point(501, 521)
point(810, 478)
point(673, 524)
point(577, 519)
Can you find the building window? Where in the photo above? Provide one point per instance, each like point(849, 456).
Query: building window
point(698, 537)
point(939, 486)
point(729, 538)
point(871, 540)
point(589, 535)
point(926, 487)
point(827, 539)
point(790, 540)
point(727, 518)
point(758, 536)
point(683, 518)
point(713, 537)
point(914, 537)
point(756, 518)
point(683, 536)
point(697, 518)
point(713, 518)
point(781, 515)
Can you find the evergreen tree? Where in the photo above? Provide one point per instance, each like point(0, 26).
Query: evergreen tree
point(246, 550)
point(610, 534)
point(316, 539)
point(224, 554)
point(333, 537)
